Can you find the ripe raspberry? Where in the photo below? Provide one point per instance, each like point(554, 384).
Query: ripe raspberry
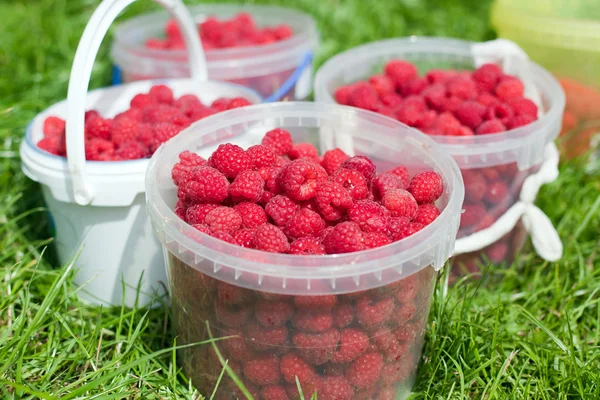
point(55, 145)
point(99, 128)
point(281, 209)
point(232, 317)
point(131, 150)
point(407, 230)
point(206, 185)
point(343, 315)
point(391, 100)
point(365, 370)
point(141, 101)
point(426, 214)
point(333, 159)
point(124, 130)
point(279, 140)
point(161, 94)
point(91, 114)
point(382, 84)
point(134, 114)
point(384, 182)
point(307, 246)
point(400, 203)
point(491, 126)
point(162, 132)
point(332, 200)
point(382, 338)
point(201, 227)
point(188, 103)
point(220, 104)
point(247, 186)
point(273, 392)
point(305, 223)
point(395, 372)
point(371, 313)
point(293, 366)
point(335, 388)
point(364, 96)
point(402, 173)
point(475, 185)
point(237, 102)
point(312, 321)
point(303, 150)
point(156, 113)
point(54, 126)
point(520, 120)
point(230, 160)
point(397, 350)
point(426, 187)
point(316, 348)
point(435, 96)
point(486, 99)
point(245, 238)
point(324, 302)
point(413, 87)
point(438, 75)
point(269, 175)
point(299, 179)
point(412, 110)
point(326, 233)
point(509, 88)
point(491, 174)
point(252, 214)
point(375, 239)
point(361, 164)
point(273, 314)
point(400, 71)
point(472, 214)
point(487, 221)
point(501, 111)
point(271, 239)
point(496, 192)
point(523, 106)
point(97, 149)
point(346, 237)
point(146, 136)
point(263, 370)
point(223, 219)
point(395, 225)
point(342, 94)
point(353, 342)
point(196, 214)
point(447, 125)
point(232, 295)
point(470, 113)
point(462, 87)
point(487, 76)
point(262, 338)
point(235, 346)
point(353, 181)
point(261, 156)
point(369, 215)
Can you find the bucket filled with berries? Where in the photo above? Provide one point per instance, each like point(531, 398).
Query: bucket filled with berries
point(306, 267)
point(269, 49)
point(494, 111)
point(91, 164)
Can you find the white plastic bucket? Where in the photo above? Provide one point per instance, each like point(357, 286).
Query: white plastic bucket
point(97, 207)
point(278, 71)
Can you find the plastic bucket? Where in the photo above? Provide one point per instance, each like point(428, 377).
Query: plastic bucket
point(564, 37)
point(510, 157)
point(398, 277)
point(97, 207)
point(278, 71)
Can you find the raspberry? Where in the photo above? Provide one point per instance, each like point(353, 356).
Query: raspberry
point(54, 144)
point(353, 181)
point(400, 203)
point(361, 164)
point(162, 132)
point(520, 120)
point(353, 342)
point(307, 246)
point(395, 225)
point(156, 113)
point(491, 126)
point(261, 156)
point(486, 99)
point(412, 110)
point(146, 135)
point(230, 160)
point(382, 338)
point(343, 315)
point(141, 101)
point(470, 113)
point(299, 179)
point(375, 239)
point(346, 237)
point(364, 96)
point(124, 130)
point(292, 366)
point(134, 114)
point(54, 126)
point(247, 186)
point(472, 214)
point(391, 100)
point(220, 104)
point(365, 370)
point(279, 140)
point(462, 87)
point(487, 221)
point(202, 228)
point(97, 149)
point(397, 351)
point(196, 214)
point(188, 103)
point(395, 372)
point(324, 302)
point(99, 128)
point(223, 219)
point(342, 94)
point(305, 223)
point(269, 175)
point(317, 348)
point(328, 229)
point(131, 150)
point(271, 239)
point(400, 71)
point(384, 182)
point(335, 388)
point(236, 346)
point(426, 187)
point(303, 150)
point(487, 76)
point(333, 159)
point(252, 214)
point(413, 87)
point(435, 96)
point(523, 106)
point(273, 392)
point(263, 370)
point(501, 111)
point(407, 230)
point(232, 318)
point(371, 313)
point(231, 295)
point(237, 102)
point(475, 185)
point(369, 215)
point(332, 200)
point(281, 209)
point(161, 94)
point(496, 192)
point(509, 88)
point(206, 185)
point(426, 214)
point(262, 338)
point(245, 238)
point(438, 76)
point(402, 173)
point(312, 321)
point(382, 84)
point(273, 314)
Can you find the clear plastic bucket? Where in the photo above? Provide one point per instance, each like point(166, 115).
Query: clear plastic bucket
point(277, 71)
point(383, 294)
point(509, 157)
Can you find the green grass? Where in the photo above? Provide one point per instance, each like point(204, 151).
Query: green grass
point(533, 334)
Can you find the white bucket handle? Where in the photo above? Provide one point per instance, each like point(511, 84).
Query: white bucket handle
point(81, 72)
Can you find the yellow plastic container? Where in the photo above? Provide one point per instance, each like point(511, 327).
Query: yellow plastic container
point(564, 37)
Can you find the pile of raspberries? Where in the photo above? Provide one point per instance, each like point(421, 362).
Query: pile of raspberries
point(239, 31)
point(444, 102)
point(282, 197)
point(153, 118)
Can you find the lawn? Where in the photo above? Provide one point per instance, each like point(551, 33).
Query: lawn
point(531, 331)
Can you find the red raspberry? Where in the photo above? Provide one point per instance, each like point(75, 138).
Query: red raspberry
point(407, 230)
point(335, 388)
point(305, 223)
point(252, 214)
point(487, 76)
point(412, 110)
point(273, 392)
point(435, 96)
point(232, 295)
point(55, 145)
point(365, 370)
point(364, 96)
point(236, 347)
point(263, 370)
point(486, 99)
point(97, 149)
point(247, 186)
point(447, 125)
point(361, 164)
point(491, 126)
point(245, 238)
point(230, 160)
point(99, 128)
point(462, 87)
point(400, 203)
point(271, 239)
point(200, 113)
point(523, 106)
point(426, 214)
point(162, 132)
point(54, 126)
point(353, 181)
point(206, 185)
point(156, 113)
point(402, 173)
point(346, 237)
point(237, 102)
point(312, 321)
point(472, 214)
point(91, 114)
point(134, 114)
point(470, 113)
point(413, 87)
point(223, 219)
point(509, 88)
point(220, 104)
point(438, 75)
point(161, 94)
point(376, 239)
point(188, 103)
point(146, 136)
point(343, 315)
point(196, 214)
point(369, 215)
point(273, 314)
point(400, 71)
point(475, 185)
point(281, 209)
point(520, 120)
point(307, 246)
point(262, 338)
point(342, 94)
point(131, 150)
point(372, 313)
point(124, 130)
point(496, 192)
point(232, 318)
point(395, 372)
point(299, 179)
point(279, 140)
point(141, 101)
point(294, 367)
point(395, 225)
point(261, 156)
point(332, 200)
point(426, 187)
point(353, 342)
point(382, 84)
point(384, 182)
point(487, 221)
point(303, 150)
point(501, 111)
point(382, 338)
point(333, 159)
point(427, 120)
point(391, 100)
point(269, 175)
point(317, 348)
point(324, 302)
